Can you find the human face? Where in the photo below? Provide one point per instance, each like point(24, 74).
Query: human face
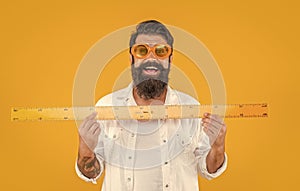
point(150, 74)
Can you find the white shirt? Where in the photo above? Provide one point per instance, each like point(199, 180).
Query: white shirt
point(157, 155)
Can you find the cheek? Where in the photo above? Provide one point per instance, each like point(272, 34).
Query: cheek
point(137, 63)
point(165, 64)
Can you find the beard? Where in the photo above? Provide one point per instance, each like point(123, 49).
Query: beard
point(150, 87)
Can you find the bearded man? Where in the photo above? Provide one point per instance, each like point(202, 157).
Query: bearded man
point(153, 155)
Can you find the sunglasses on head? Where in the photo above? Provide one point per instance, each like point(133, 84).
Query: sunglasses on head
point(143, 50)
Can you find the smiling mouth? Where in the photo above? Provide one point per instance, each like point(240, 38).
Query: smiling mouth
point(151, 70)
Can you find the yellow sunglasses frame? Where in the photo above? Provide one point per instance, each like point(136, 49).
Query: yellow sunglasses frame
point(151, 49)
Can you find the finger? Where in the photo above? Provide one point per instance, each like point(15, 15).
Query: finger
point(97, 131)
point(217, 119)
point(213, 123)
point(82, 125)
point(214, 117)
point(93, 115)
point(206, 115)
point(85, 124)
point(87, 119)
point(214, 133)
point(217, 126)
point(93, 128)
point(89, 124)
point(210, 129)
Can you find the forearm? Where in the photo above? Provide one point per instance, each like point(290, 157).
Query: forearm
point(215, 158)
point(87, 162)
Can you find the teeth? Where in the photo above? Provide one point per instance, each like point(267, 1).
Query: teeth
point(151, 68)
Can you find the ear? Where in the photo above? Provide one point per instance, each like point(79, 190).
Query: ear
point(171, 59)
point(130, 58)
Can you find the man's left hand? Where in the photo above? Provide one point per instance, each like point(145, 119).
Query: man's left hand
point(215, 128)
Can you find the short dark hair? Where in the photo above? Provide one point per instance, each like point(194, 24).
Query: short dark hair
point(152, 27)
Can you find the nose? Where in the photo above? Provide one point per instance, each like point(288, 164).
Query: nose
point(151, 57)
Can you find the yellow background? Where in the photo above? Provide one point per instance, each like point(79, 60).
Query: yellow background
point(255, 43)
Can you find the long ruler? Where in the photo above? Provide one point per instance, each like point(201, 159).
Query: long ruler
point(138, 112)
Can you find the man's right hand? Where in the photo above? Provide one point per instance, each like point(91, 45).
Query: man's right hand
point(89, 131)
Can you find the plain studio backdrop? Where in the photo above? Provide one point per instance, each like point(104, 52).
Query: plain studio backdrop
point(255, 43)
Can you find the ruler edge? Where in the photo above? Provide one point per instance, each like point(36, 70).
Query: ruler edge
point(93, 107)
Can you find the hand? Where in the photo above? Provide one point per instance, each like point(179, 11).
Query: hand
point(89, 131)
point(215, 128)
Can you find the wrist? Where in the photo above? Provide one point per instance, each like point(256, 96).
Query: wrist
point(215, 159)
point(84, 150)
point(218, 149)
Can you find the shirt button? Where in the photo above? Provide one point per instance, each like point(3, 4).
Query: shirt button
point(130, 157)
point(132, 135)
point(167, 185)
point(164, 140)
point(166, 162)
point(129, 179)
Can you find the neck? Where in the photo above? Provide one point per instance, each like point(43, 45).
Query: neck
point(160, 100)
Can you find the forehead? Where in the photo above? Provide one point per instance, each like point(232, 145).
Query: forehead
point(150, 39)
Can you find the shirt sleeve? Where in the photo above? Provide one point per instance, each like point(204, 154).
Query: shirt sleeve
point(202, 168)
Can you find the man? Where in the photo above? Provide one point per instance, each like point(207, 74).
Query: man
point(156, 154)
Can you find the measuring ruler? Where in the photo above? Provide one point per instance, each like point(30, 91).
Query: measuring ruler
point(139, 112)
